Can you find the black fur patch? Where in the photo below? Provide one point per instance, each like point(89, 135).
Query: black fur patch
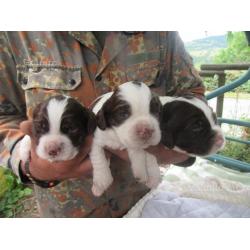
point(113, 112)
point(155, 107)
point(40, 121)
point(185, 126)
point(136, 82)
point(77, 122)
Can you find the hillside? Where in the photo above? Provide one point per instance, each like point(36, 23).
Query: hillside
point(203, 50)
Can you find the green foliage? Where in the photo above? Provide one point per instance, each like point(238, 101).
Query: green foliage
point(211, 83)
point(232, 48)
point(12, 192)
point(233, 75)
point(237, 51)
point(237, 151)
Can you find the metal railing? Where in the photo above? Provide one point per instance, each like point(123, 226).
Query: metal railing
point(227, 161)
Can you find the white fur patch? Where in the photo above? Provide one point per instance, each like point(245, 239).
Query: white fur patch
point(55, 111)
point(138, 97)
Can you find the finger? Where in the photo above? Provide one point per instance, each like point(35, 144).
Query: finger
point(26, 127)
point(155, 149)
point(85, 169)
point(165, 155)
point(61, 169)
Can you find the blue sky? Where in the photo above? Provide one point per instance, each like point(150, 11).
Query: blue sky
point(193, 35)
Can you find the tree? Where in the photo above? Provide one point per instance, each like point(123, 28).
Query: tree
point(237, 51)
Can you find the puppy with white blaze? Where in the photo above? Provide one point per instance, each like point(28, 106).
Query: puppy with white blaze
point(60, 125)
point(127, 118)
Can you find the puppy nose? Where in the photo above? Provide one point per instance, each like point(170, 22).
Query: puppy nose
point(144, 132)
point(54, 152)
point(53, 149)
point(219, 140)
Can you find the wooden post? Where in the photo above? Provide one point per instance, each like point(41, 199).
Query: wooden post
point(220, 99)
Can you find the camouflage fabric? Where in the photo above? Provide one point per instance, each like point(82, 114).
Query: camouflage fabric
point(36, 65)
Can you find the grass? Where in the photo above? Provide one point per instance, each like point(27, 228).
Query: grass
point(12, 194)
point(237, 151)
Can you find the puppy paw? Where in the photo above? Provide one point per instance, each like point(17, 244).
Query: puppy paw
point(101, 182)
point(153, 181)
point(97, 191)
point(24, 148)
point(141, 176)
point(154, 174)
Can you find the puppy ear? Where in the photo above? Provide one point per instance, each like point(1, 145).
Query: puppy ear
point(104, 113)
point(91, 122)
point(101, 121)
point(155, 106)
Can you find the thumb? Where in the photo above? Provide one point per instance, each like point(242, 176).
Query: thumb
point(26, 127)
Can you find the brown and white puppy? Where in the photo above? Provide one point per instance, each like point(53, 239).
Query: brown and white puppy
point(189, 125)
point(60, 125)
point(127, 118)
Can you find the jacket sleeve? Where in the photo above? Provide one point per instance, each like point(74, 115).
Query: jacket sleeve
point(12, 106)
point(182, 77)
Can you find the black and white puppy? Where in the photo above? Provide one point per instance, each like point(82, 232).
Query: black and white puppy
point(188, 125)
point(60, 125)
point(127, 118)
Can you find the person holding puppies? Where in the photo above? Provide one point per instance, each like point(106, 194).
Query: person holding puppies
point(35, 66)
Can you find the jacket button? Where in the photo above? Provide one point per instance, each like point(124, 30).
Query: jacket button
point(72, 82)
point(99, 78)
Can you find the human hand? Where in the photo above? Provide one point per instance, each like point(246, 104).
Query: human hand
point(165, 155)
point(162, 154)
point(41, 169)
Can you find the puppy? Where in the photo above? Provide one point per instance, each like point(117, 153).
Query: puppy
point(188, 125)
point(60, 125)
point(127, 118)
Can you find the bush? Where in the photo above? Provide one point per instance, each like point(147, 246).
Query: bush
point(12, 192)
point(237, 151)
point(211, 83)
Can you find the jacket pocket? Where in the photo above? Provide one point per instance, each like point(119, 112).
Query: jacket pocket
point(144, 72)
point(43, 81)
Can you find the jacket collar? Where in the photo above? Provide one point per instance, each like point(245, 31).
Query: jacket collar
point(114, 43)
point(88, 39)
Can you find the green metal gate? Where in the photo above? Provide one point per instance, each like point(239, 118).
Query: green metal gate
point(227, 161)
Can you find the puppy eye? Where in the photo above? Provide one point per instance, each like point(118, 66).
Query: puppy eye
point(155, 106)
point(74, 130)
point(123, 115)
point(44, 125)
point(41, 126)
point(197, 127)
point(69, 128)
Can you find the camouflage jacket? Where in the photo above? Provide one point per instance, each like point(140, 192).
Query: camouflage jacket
point(36, 65)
